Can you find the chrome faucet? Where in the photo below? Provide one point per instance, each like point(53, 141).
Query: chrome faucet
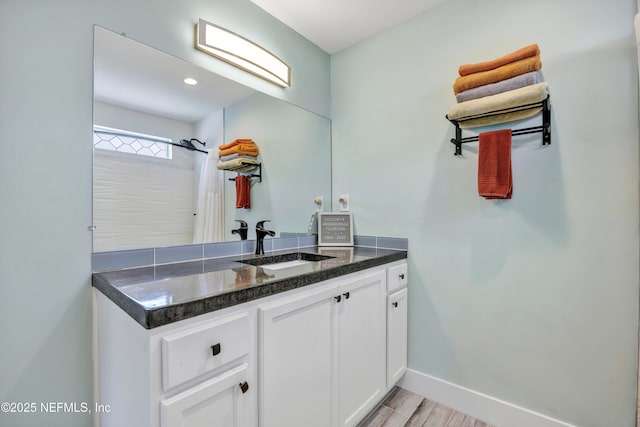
point(261, 232)
point(242, 231)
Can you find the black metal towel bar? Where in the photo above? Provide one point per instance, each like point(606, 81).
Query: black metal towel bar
point(544, 128)
point(253, 175)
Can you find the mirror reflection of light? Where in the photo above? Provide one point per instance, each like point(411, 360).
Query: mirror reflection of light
point(190, 81)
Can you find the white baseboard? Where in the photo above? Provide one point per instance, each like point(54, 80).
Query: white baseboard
point(478, 405)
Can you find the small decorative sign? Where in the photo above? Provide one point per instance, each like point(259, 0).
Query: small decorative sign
point(335, 229)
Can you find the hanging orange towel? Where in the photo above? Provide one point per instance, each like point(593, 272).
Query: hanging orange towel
point(234, 143)
point(504, 72)
point(522, 53)
point(243, 192)
point(494, 165)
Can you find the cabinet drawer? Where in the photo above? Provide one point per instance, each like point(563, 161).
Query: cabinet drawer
point(396, 277)
point(218, 402)
point(195, 351)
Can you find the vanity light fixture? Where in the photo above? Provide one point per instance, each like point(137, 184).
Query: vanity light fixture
point(242, 53)
point(190, 81)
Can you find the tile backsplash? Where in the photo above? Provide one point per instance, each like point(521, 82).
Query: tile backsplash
point(118, 260)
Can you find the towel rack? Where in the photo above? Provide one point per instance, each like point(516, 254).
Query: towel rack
point(544, 128)
point(253, 175)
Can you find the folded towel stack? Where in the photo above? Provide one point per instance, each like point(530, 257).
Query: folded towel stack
point(240, 155)
point(508, 84)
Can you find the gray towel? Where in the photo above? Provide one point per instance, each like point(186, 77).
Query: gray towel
point(501, 86)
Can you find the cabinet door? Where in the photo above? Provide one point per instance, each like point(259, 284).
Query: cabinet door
point(396, 336)
point(361, 343)
point(295, 361)
point(218, 402)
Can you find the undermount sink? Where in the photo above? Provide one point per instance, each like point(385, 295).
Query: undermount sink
point(286, 264)
point(282, 261)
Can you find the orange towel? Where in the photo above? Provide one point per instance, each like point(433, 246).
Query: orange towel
point(250, 149)
point(494, 165)
point(234, 143)
point(522, 53)
point(243, 192)
point(501, 73)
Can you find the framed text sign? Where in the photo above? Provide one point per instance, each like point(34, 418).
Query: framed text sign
point(335, 229)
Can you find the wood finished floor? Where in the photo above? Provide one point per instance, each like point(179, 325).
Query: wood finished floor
point(402, 408)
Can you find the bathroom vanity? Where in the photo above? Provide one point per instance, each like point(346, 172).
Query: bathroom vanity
point(309, 337)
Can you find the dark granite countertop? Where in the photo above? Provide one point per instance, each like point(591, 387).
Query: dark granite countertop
point(163, 294)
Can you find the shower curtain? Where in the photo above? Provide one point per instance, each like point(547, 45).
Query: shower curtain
point(209, 221)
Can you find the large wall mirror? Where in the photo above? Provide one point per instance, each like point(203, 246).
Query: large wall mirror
point(150, 193)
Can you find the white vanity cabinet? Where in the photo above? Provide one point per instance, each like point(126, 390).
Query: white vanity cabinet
point(193, 373)
point(322, 354)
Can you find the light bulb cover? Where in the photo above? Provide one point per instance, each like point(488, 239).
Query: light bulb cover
point(242, 53)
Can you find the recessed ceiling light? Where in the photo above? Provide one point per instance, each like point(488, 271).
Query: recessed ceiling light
point(190, 81)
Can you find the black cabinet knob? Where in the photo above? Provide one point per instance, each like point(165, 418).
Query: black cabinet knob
point(215, 349)
point(338, 298)
point(395, 304)
point(401, 276)
point(346, 295)
point(244, 386)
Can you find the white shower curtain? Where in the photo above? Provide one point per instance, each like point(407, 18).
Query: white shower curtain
point(209, 223)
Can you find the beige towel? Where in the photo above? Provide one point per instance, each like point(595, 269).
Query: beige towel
point(238, 165)
point(500, 118)
point(511, 100)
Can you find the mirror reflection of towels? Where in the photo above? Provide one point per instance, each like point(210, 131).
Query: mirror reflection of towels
point(243, 192)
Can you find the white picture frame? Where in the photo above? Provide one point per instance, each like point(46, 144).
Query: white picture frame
point(335, 229)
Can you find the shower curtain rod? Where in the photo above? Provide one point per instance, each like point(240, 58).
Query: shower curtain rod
point(184, 143)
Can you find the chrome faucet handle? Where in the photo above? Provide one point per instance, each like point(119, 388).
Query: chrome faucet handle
point(243, 224)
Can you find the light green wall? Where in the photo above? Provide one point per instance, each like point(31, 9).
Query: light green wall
point(295, 151)
point(532, 300)
point(45, 170)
